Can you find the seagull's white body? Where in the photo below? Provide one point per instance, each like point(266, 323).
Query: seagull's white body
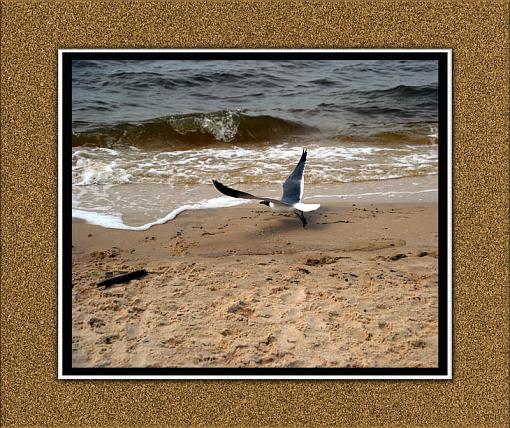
point(285, 208)
point(290, 202)
point(306, 207)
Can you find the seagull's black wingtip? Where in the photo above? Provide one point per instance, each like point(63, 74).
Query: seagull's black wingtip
point(303, 156)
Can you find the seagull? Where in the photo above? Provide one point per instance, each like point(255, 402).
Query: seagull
point(292, 193)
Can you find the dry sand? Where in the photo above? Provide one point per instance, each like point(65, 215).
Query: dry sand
point(242, 287)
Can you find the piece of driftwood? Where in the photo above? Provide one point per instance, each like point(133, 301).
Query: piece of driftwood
point(121, 279)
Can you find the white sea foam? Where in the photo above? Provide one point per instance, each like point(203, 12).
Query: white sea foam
point(114, 221)
point(134, 189)
point(361, 195)
point(263, 165)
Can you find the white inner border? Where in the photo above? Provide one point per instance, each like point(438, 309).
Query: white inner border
point(449, 217)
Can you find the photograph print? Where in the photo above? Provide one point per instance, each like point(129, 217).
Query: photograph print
point(255, 213)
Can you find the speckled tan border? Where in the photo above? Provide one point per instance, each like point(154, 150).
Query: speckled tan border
point(32, 31)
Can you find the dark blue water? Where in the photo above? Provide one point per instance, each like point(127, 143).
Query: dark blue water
point(347, 98)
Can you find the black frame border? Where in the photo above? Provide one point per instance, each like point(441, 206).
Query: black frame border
point(444, 124)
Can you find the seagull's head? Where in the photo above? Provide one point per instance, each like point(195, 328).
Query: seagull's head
point(265, 202)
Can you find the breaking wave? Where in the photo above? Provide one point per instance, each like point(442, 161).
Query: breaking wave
point(191, 130)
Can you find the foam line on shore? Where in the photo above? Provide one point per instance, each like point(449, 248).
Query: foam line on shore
point(114, 221)
point(360, 195)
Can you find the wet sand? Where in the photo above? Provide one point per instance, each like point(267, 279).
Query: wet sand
point(242, 287)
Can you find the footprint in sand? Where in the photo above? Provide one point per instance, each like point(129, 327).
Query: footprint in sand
point(240, 308)
point(293, 297)
point(289, 306)
point(291, 334)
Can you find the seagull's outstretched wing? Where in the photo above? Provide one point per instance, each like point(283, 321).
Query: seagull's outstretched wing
point(234, 193)
point(238, 194)
point(294, 185)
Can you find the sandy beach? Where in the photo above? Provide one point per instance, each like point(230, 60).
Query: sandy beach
point(231, 285)
point(242, 287)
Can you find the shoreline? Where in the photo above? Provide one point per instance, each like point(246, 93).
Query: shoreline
point(243, 287)
point(403, 189)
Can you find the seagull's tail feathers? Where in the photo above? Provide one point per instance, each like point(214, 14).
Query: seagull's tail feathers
point(306, 207)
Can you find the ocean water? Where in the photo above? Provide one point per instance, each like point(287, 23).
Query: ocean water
point(149, 136)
